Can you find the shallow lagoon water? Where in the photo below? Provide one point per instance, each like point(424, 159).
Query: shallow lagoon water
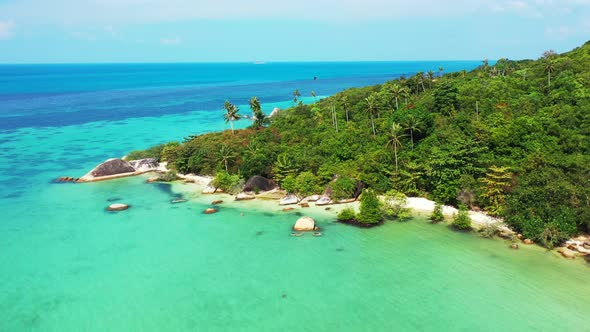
point(68, 265)
point(163, 266)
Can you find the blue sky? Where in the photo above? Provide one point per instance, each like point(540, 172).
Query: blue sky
point(58, 31)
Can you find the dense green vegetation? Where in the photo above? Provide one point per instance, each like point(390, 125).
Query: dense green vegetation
point(462, 221)
point(512, 138)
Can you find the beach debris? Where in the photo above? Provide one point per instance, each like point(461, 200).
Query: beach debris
point(117, 207)
point(289, 199)
point(178, 200)
point(304, 224)
point(244, 196)
point(528, 241)
point(514, 246)
point(210, 211)
point(216, 202)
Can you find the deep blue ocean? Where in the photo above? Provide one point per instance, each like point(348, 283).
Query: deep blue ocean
point(66, 264)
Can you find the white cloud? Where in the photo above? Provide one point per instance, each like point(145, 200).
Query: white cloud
point(152, 11)
point(6, 29)
point(171, 41)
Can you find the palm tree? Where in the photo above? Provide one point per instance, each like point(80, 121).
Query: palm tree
point(396, 91)
point(334, 117)
point(313, 95)
point(430, 75)
point(549, 65)
point(440, 71)
point(463, 73)
point(296, 96)
point(405, 92)
point(394, 139)
point(420, 76)
point(231, 114)
point(345, 105)
point(413, 124)
point(372, 109)
point(259, 118)
point(225, 154)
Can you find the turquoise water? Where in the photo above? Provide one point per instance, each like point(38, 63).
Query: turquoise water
point(68, 265)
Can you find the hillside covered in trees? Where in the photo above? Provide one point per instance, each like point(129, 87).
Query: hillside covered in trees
point(511, 138)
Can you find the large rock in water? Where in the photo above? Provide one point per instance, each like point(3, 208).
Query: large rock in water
point(144, 165)
point(109, 169)
point(117, 207)
point(259, 183)
point(304, 224)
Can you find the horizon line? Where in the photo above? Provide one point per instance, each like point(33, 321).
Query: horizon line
point(258, 63)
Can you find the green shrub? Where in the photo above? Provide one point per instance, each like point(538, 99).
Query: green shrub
point(370, 209)
point(230, 183)
point(170, 152)
point(437, 214)
point(343, 188)
point(347, 214)
point(306, 184)
point(289, 184)
point(489, 230)
point(462, 221)
point(395, 206)
point(168, 177)
point(153, 152)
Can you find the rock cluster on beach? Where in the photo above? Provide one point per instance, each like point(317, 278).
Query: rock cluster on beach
point(66, 179)
point(144, 165)
point(115, 168)
point(578, 246)
point(259, 183)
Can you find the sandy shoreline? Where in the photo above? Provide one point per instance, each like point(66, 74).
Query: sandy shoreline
point(269, 202)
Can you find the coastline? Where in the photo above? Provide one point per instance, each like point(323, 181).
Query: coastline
point(192, 186)
point(269, 201)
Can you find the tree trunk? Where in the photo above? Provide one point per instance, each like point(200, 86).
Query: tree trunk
point(396, 105)
point(549, 79)
point(373, 125)
point(231, 124)
point(226, 168)
point(346, 110)
point(412, 138)
point(395, 153)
